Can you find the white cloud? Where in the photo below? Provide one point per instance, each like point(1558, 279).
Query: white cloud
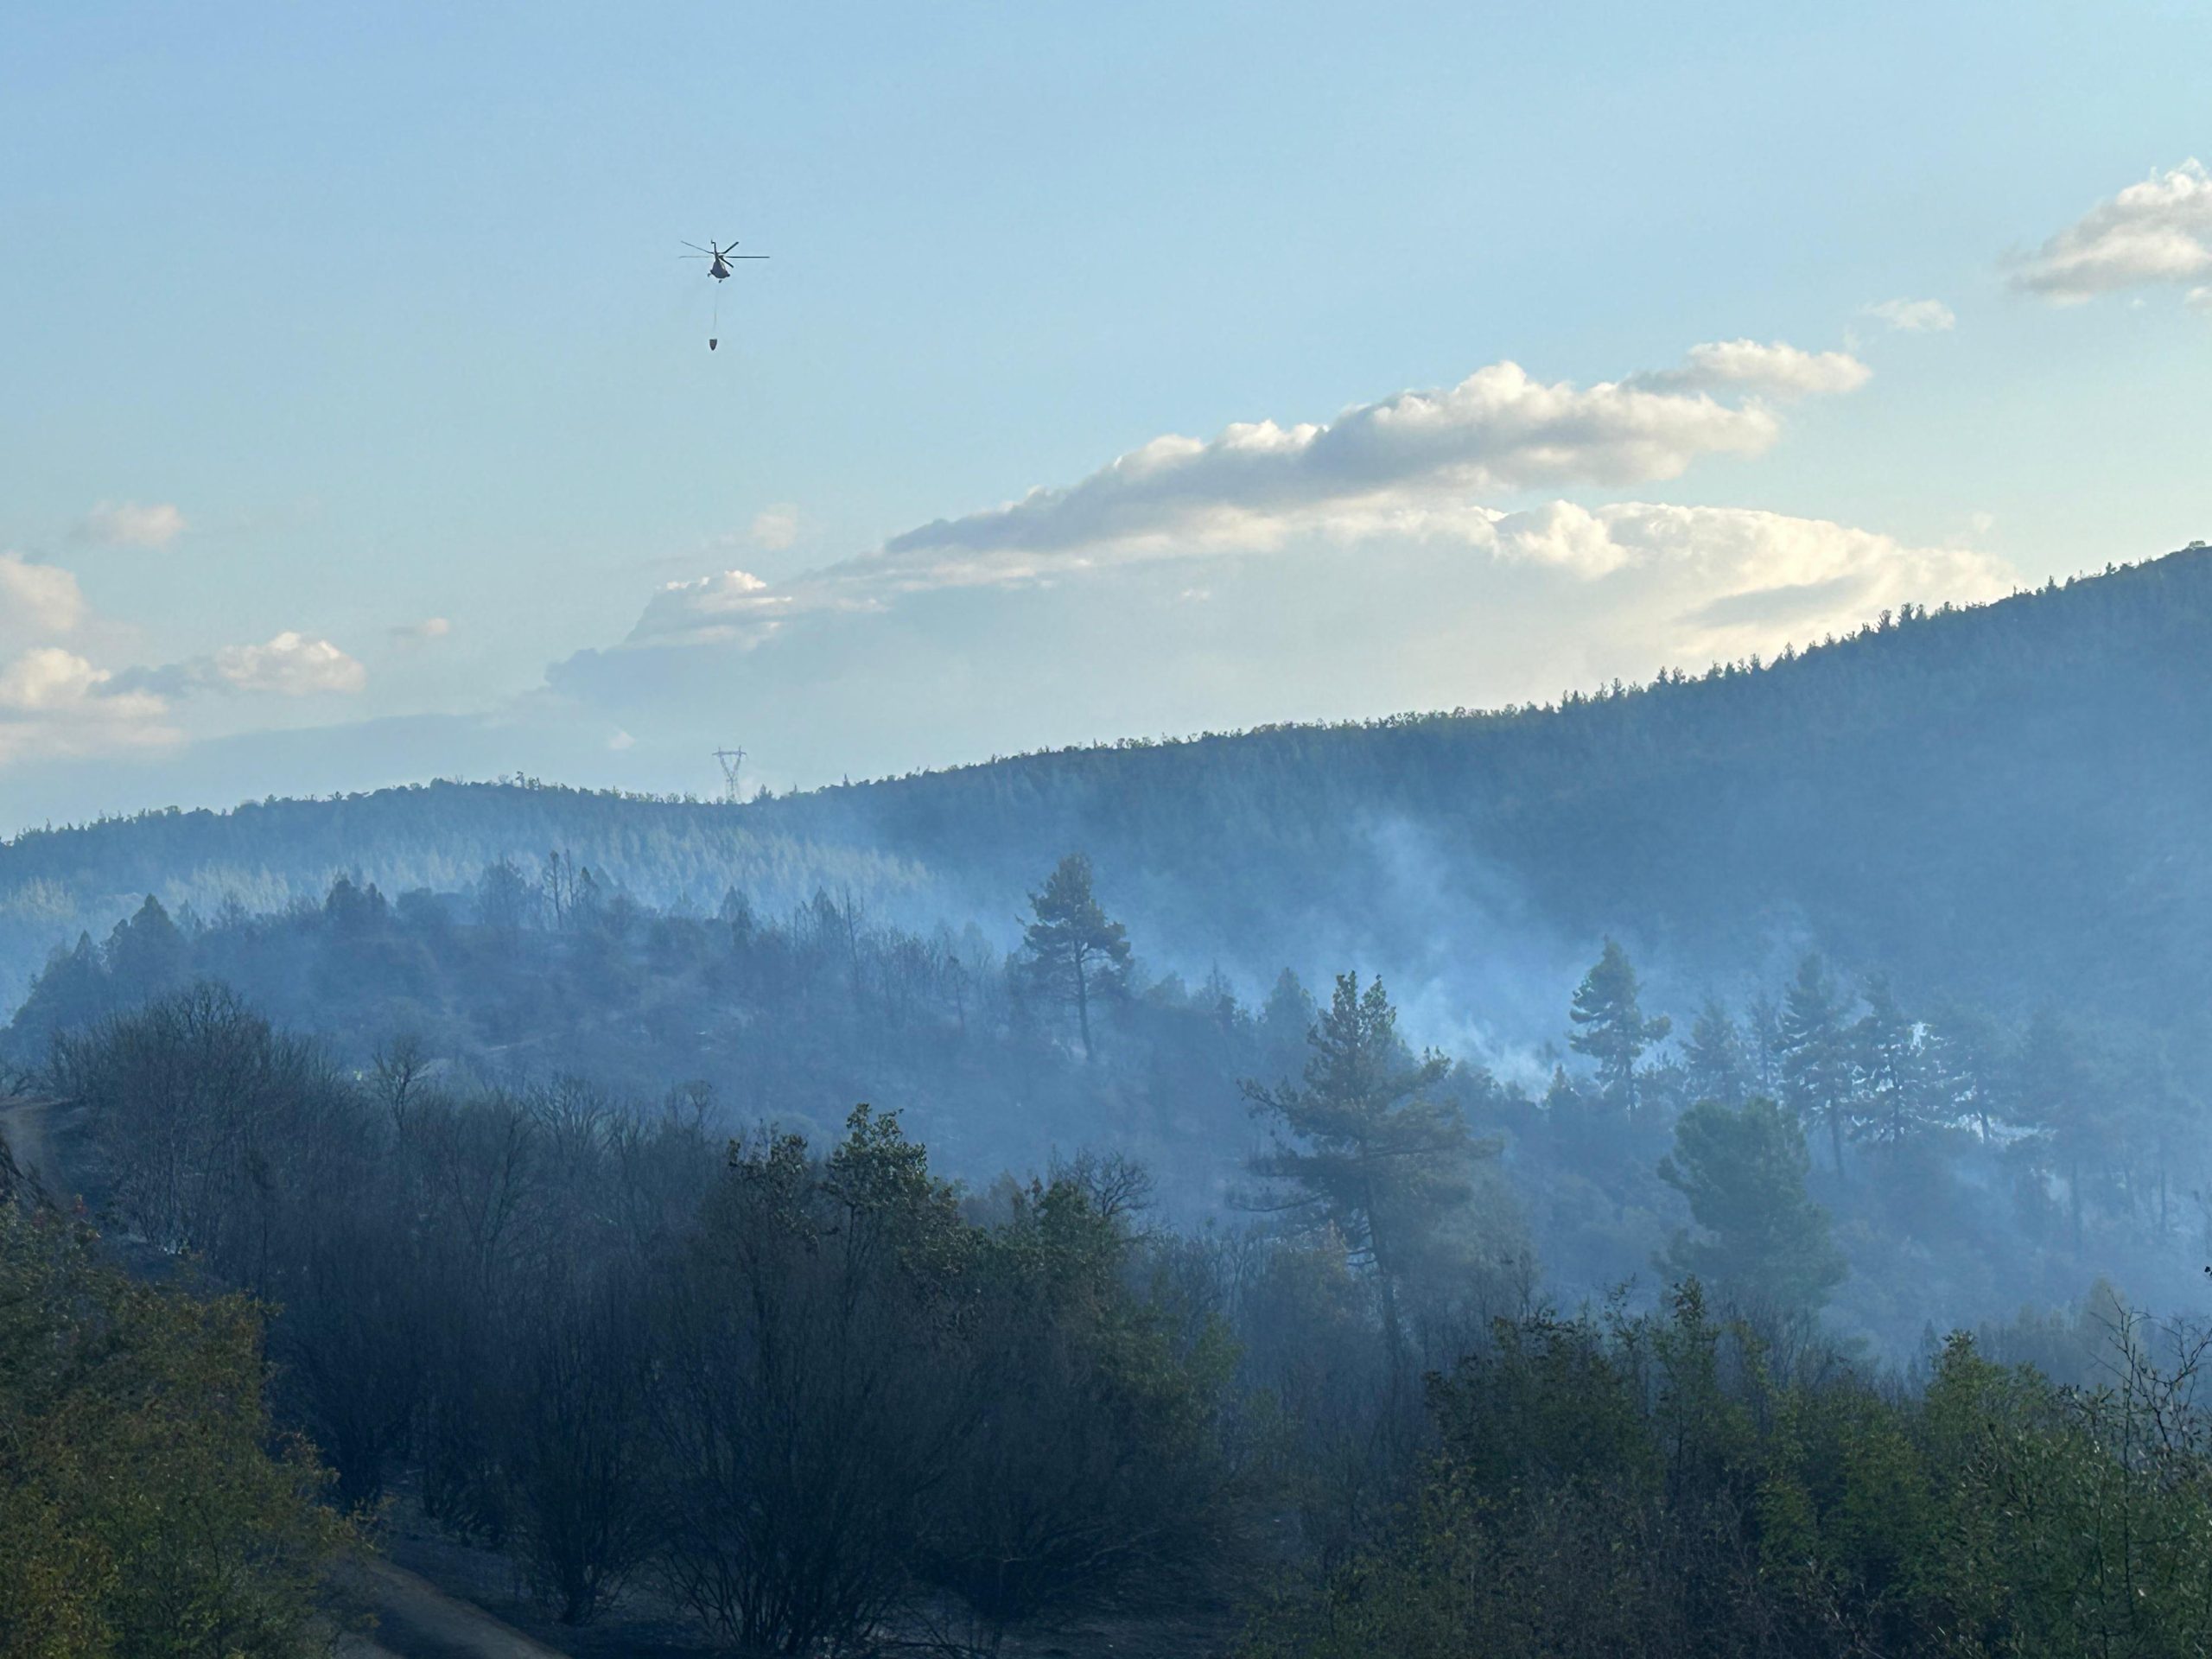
point(1406, 467)
point(46, 678)
point(289, 665)
point(2155, 233)
point(55, 702)
point(1572, 539)
point(1481, 607)
point(127, 524)
point(775, 528)
point(1914, 316)
point(1776, 370)
point(38, 600)
point(1375, 562)
point(1499, 431)
point(420, 633)
point(1739, 579)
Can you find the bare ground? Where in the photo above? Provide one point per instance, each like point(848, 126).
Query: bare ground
point(641, 1624)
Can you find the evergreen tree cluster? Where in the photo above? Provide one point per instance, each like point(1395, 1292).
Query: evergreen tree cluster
point(1987, 804)
point(1970, 1164)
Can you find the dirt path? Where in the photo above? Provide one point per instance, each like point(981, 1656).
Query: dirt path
point(417, 1620)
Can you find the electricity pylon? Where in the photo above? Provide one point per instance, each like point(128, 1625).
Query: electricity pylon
point(731, 760)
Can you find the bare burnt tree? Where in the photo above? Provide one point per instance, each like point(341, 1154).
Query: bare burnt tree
point(802, 1413)
point(575, 1447)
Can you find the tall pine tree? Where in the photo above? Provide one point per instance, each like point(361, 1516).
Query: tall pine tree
point(1816, 1055)
point(1890, 1066)
point(1359, 1144)
point(1611, 1028)
point(1075, 954)
point(1713, 1062)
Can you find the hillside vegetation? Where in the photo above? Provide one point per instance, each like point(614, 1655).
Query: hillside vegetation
point(1932, 889)
point(1999, 802)
point(1578, 1283)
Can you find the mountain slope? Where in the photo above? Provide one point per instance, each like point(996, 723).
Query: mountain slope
point(2007, 801)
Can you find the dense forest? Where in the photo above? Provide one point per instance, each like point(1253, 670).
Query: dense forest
point(1974, 1161)
point(773, 1394)
point(1991, 802)
point(1716, 1167)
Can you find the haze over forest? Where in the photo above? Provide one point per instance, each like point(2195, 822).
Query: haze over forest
point(1224, 833)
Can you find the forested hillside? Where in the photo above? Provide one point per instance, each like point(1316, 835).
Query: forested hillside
point(1934, 888)
point(1999, 802)
point(1583, 1274)
point(2003, 800)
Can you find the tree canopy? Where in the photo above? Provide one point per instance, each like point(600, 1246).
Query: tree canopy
point(1075, 954)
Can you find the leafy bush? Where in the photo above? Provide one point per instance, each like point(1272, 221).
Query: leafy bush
point(143, 1512)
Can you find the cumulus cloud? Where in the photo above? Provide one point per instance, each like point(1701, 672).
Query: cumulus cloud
point(2157, 232)
point(1508, 606)
point(1914, 316)
point(128, 524)
point(1745, 576)
point(1378, 562)
point(1774, 370)
point(46, 678)
point(1500, 430)
point(289, 665)
point(54, 703)
point(1409, 466)
point(38, 600)
point(56, 700)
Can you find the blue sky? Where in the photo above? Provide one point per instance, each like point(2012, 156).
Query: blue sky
point(355, 414)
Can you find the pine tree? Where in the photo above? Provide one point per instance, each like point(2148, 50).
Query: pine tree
point(1286, 1017)
point(506, 901)
point(736, 914)
point(1076, 953)
point(1743, 1173)
point(74, 990)
point(1889, 1068)
point(147, 956)
point(1358, 1145)
point(2053, 1096)
point(1815, 1060)
point(1965, 1071)
point(1763, 1046)
point(1716, 1066)
point(1610, 1027)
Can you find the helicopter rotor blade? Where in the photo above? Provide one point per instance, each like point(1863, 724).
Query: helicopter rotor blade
point(695, 248)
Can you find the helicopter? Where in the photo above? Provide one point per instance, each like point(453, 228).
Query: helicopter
point(717, 268)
